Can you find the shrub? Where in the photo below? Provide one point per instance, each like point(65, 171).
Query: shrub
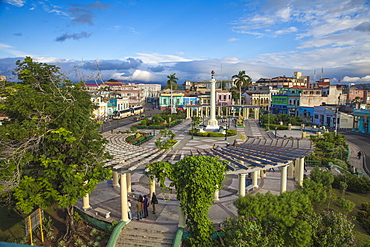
point(355, 184)
point(363, 216)
point(215, 134)
point(346, 204)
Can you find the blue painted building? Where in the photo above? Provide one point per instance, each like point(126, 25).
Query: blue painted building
point(362, 122)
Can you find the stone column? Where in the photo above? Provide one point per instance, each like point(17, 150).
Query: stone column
point(255, 179)
point(128, 180)
point(219, 110)
point(301, 171)
point(182, 222)
point(247, 113)
point(241, 184)
point(296, 169)
point(86, 201)
point(187, 112)
point(263, 173)
point(283, 179)
point(291, 170)
point(151, 187)
point(216, 196)
point(124, 206)
point(115, 179)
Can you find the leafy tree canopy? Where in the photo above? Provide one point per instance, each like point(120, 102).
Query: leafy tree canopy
point(195, 178)
point(172, 82)
point(50, 147)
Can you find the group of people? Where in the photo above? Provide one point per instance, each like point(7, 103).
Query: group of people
point(142, 205)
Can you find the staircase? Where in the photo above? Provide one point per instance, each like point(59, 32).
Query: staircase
point(140, 233)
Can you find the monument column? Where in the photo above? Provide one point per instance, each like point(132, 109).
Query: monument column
point(212, 122)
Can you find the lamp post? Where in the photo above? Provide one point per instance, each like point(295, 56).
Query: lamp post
point(337, 116)
point(275, 132)
point(226, 127)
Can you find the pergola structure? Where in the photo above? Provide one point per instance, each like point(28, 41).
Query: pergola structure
point(254, 156)
point(205, 110)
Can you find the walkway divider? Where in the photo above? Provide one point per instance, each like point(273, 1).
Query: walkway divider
point(178, 237)
point(115, 233)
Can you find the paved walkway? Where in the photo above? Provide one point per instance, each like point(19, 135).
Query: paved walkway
point(108, 197)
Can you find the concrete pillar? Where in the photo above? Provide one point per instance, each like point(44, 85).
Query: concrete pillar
point(219, 110)
point(151, 186)
point(291, 170)
point(115, 179)
point(296, 169)
point(241, 184)
point(182, 222)
point(257, 113)
point(187, 112)
point(124, 206)
point(263, 173)
point(255, 179)
point(128, 180)
point(283, 179)
point(304, 135)
point(301, 171)
point(248, 113)
point(86, 201)
point(216, 196)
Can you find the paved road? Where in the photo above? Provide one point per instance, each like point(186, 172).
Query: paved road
point(362, 141)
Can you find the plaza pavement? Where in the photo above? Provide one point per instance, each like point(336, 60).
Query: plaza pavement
point(107, 196)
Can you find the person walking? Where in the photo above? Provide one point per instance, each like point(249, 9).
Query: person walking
point(140, 208)
point(359, 154)
point(145, 206)
point(154, 202)
point(129, 210)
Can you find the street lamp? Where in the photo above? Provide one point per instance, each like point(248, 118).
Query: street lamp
point(226, 128)
point(275, 132)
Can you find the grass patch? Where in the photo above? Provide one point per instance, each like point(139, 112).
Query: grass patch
point(12, 225)
point(361, 236)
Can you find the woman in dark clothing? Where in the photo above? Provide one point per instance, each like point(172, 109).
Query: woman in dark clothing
point(154, 201)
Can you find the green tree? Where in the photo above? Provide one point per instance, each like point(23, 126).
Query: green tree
point(172, 82)
point(195, 178)
point(50, 145)
point(242, 82)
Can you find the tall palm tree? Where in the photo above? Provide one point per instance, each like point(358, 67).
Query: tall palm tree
point(242, 82)
point(172, 84)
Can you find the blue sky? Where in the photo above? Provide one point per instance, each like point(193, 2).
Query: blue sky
point(145, 41)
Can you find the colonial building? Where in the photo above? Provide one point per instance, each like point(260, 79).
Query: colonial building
point(285, 82)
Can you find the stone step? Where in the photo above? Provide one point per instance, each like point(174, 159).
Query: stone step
point(141, 234)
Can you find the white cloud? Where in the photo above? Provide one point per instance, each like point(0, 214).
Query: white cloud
point(356, 79)
point(232, 40)
point(138, 75)
point(7, 49)
point(160, 58)
point(286, 31)
point(17, 3)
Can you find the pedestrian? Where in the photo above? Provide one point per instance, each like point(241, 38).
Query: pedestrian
point(359, 154)
point(154, 202)
point(145, 206)
point(140, 208)
point(129, 210)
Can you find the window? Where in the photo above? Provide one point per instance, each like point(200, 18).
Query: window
point(164, 101)
point(316, 116)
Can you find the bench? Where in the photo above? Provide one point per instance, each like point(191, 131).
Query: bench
point(102, 212)
point(249, 187)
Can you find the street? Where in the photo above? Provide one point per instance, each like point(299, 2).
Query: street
point(363, 142)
